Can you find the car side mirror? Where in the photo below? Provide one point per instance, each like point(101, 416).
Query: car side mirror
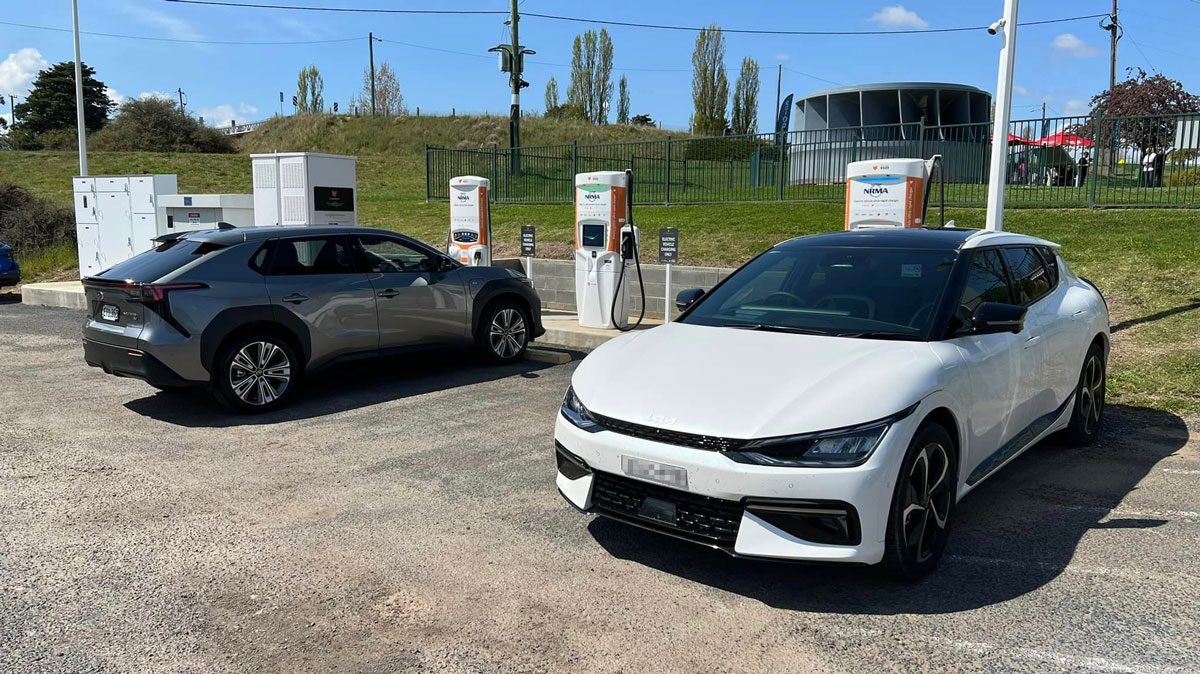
point(687, 298)
point(995, 317)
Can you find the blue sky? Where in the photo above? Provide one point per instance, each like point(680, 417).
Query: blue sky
point(1063, 64)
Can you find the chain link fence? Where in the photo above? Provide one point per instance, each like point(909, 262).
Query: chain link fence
point(1073, 162)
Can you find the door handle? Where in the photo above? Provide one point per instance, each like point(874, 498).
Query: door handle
point(1032, 341)
point(389, 293)
point(295, 298)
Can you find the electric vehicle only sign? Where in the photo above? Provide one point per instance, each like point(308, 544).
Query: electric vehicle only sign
point(528, 241)
point(668, 245)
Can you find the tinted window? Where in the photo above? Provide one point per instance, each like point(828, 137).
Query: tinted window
point(383, 254)
point(317, 255)
point(986, 282)
point(886, 291)
point(1030, 278)
point(158, 262)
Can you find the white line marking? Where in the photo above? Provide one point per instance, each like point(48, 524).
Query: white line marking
point(1180, 471)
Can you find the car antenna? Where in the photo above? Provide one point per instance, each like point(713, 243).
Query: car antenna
point(225, 226)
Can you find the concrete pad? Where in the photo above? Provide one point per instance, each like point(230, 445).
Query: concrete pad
point(67, 294)
point(563, 329)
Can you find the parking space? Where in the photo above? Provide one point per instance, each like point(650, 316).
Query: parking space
point(402, 515)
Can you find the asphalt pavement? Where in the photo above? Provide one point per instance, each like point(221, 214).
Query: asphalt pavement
point(402, 516)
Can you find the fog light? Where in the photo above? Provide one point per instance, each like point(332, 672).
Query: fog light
point(825, 523)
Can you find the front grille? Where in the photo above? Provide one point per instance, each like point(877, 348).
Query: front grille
point(709, 442)
point(700, 518)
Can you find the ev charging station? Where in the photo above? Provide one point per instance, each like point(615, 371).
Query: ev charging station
point(605, 242)
point(470, 239)
point(891, 193)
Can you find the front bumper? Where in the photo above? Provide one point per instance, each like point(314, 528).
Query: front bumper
point(135, 363)
point(741, 503)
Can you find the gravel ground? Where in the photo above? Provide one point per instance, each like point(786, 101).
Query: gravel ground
point(403, 517)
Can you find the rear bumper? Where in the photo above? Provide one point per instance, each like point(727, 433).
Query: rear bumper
point(10, 278)
point(134, 363)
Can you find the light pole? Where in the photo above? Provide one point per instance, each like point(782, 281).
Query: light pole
point(79, 122)
point(1007, 25)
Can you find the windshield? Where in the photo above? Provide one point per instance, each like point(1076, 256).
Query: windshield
point(862, 292)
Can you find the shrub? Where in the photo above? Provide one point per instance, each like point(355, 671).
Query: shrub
point(29, 223)
point(1188, 177)
point(57, 139)
point(155, 125)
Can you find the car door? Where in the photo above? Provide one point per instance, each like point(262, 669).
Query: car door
point(420, 294)
point(316, 279)
point(1032, 287)
point(1064, 318)
point(995, 363)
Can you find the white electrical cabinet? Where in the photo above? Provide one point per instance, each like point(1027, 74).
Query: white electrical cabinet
point(188, 212)
point(117, 217)
point(304, 188)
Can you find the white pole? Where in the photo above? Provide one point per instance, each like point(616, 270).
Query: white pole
point(1004, 80)
point(667, 297)
point(83, 167)
point(529, 267)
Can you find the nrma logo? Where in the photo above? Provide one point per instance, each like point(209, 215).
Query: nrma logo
point(463, 197)
point(875, 191)
point(591, 196)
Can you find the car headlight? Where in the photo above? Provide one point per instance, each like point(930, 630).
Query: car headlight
point(577, 414)
point(833, 449)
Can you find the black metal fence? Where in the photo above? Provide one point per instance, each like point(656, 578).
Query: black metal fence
point(1055, 162)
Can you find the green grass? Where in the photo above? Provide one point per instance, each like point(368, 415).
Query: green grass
point(48, 262)
point(1146, 261)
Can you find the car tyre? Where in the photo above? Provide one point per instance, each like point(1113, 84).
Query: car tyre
point(256, 373)
point(504, 331)
point(923, 505)
point(1087, 413)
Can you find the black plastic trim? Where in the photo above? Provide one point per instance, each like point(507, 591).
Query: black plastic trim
point(572, 467)
point(133, 363)
point(508, 286)
point(225, 323)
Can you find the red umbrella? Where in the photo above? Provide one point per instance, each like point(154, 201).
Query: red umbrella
point(1014, 139)
point(1064, 139)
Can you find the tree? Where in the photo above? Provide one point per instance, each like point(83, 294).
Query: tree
point(388, 99)
point(551, 95)
point(51, 103)
point(710, 86)
point(591, 75)
point(1156, 98)
point(642, 120)
point(623, 102)
point(310, 91)
point(156, 125)
point(745, 99)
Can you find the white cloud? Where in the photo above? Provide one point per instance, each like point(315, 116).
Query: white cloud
point(156, 94)
point(18, 71)
point(116, 97)
point(223, 115)
point(898, 16)
point(782, 56)
point(1076, 106)
point(1068, 44)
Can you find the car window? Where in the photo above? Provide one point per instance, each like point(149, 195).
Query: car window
point(986, 281)
point(1050, 258)
point(311, 255)
point(158, 261)
point(383, 254)
point(1031, 280)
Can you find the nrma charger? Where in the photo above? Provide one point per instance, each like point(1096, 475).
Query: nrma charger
point(470, 239)
point(886, 193)
point(605, 241)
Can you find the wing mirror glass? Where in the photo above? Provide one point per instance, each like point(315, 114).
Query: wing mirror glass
point(687, 298)
point(995, 317)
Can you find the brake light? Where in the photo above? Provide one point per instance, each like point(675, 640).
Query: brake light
point(157, 292)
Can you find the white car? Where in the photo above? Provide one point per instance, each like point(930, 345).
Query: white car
point(832, 400)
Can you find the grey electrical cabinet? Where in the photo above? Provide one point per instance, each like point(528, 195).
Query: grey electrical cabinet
point(117, 217)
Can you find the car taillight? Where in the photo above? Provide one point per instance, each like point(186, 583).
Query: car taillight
point(157, 292)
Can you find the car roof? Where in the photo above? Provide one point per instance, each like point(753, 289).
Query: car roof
point(944, 238)
point(239, 234)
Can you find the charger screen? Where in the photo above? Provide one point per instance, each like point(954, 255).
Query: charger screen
point(592, 237)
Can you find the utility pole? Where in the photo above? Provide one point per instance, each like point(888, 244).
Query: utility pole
point(778, 89)
point(371, 50)
point(79, 121)
point(1114, 33)
point(512, 61)
point(1004, 79)
point(1044, 134)
point(181, 108)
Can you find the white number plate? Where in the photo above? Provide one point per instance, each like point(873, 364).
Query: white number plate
point(109, 313)
point(662, 473)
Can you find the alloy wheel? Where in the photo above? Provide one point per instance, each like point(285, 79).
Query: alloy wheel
point(927, 502)
point(259, 373)
point(506, 335)
point(1091, 393)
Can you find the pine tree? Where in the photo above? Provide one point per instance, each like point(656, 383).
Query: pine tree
point(623, 102)
point(745, 99)
point(50, 105)
point(710, 86)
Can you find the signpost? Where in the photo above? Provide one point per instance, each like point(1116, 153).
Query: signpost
point(668, 254)
point(528, 247)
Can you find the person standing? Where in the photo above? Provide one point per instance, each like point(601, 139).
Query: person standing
point(1148, 161)
point(1085, 161)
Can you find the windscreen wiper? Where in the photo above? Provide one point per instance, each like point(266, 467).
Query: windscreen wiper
point(776, 328)
point(877, 335)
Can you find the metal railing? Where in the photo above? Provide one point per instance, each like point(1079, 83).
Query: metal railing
point(1055, 162)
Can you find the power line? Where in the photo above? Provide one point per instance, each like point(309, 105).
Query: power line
point(1139, 48)
point(810, 75)
point(170, 39)
point(611, 22)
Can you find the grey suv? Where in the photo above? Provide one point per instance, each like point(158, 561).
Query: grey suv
point(249, 311)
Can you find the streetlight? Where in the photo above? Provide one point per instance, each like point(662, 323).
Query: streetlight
point(1004, 80)
point(83, 167)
